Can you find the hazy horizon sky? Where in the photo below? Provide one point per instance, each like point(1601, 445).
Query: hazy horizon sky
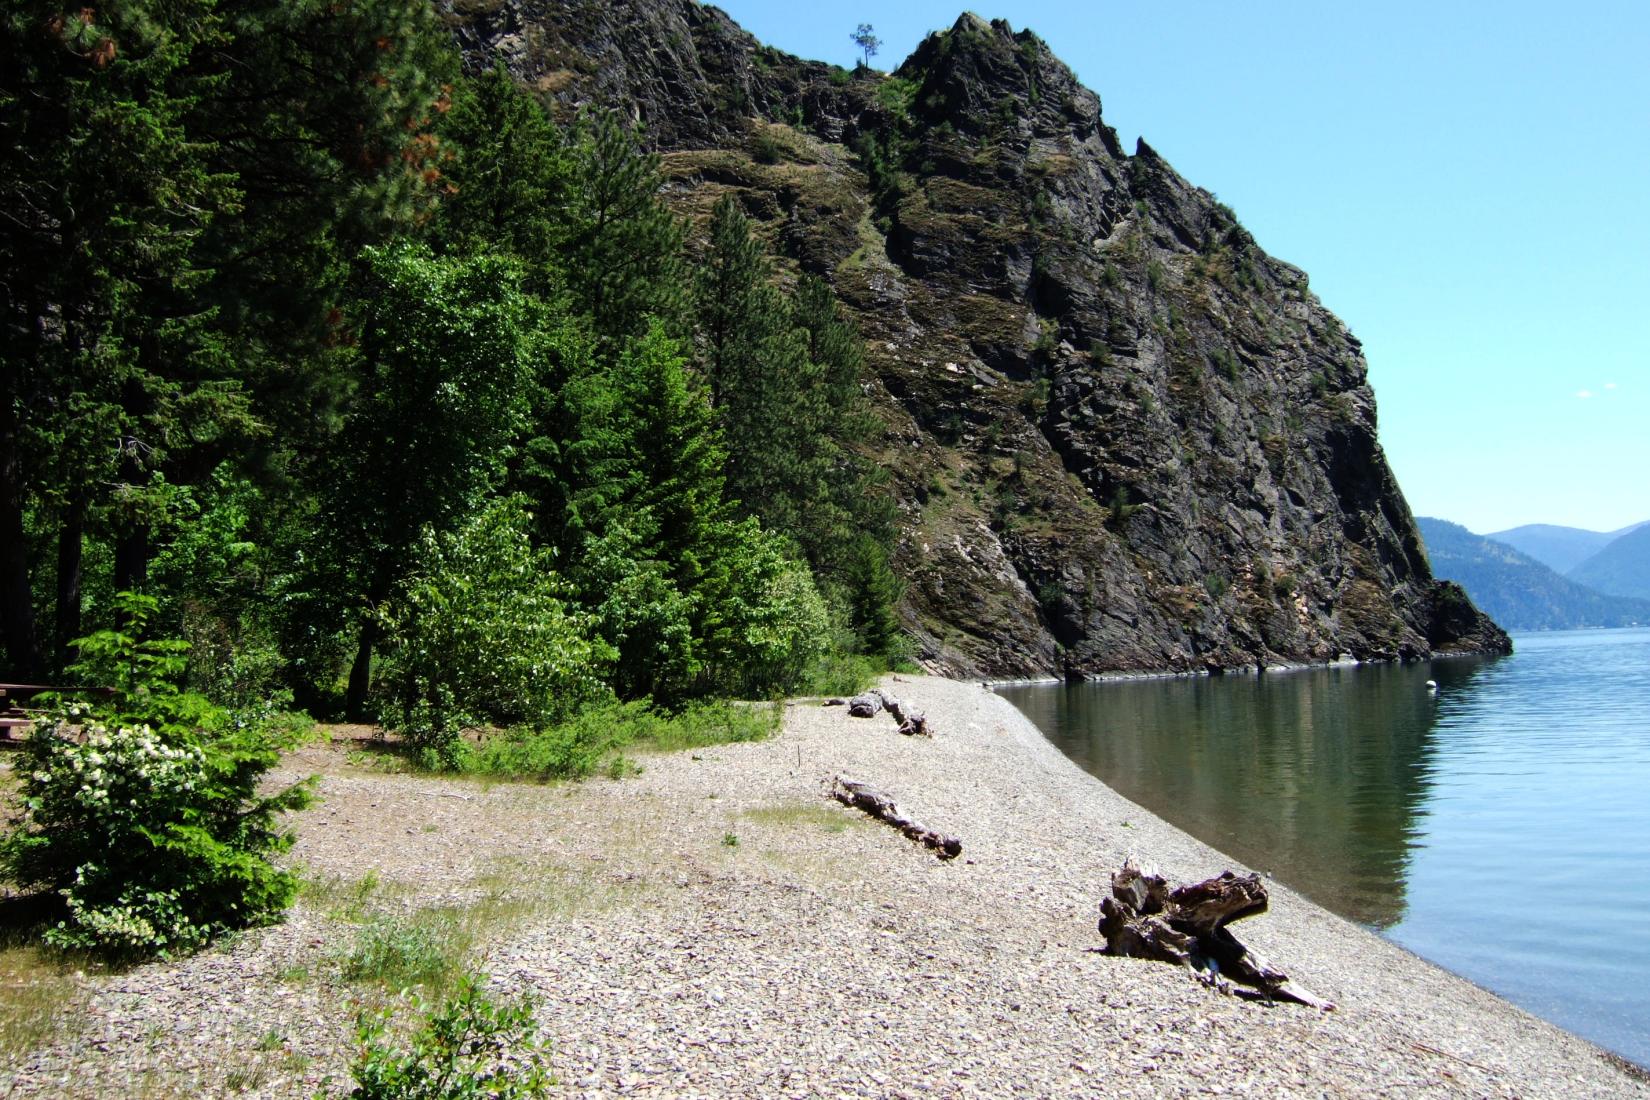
point(1466, 185)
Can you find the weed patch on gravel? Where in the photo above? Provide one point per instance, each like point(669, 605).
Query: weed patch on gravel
point(396, 944)
point(40, 1000)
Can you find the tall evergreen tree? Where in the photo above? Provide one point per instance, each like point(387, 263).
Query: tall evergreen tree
point(111, 356)
point(621, 246)
point(760, 377)
point(510, 172)
point(657, 517)
point(784, 375)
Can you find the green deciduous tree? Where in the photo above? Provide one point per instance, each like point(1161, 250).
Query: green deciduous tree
point(484, 629)
point(447, 347)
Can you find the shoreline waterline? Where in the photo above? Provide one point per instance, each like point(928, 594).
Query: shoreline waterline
point(1394, 799)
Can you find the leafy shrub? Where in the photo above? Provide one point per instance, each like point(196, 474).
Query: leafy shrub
point(595, 739)
point(572, 749)
point(471, 1047)
point(143, 814)
point(482, 629)
point(769, 620)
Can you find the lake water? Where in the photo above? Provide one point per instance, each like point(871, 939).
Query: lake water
point(1500, 828)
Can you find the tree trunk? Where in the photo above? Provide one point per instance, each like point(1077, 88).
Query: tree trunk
point(360, 672)
point(132, 558)
point(70, 544)
point(16, 594)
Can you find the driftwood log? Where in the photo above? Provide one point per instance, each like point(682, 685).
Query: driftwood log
point(1144, 919)
point(865, 797)
point(868, 705)
point(911, 722)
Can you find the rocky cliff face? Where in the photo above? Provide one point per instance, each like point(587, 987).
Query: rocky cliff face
point(1122, 436)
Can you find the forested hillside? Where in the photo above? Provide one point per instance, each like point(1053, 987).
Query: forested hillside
point(395, 393)
point(479, 362)
point(1120, 434)
point(1521, 592)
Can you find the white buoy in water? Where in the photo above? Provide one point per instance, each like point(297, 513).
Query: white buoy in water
point(1432, 687)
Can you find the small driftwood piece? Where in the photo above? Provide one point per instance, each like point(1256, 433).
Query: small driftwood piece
point(865, 797)
point(834, 702)
point(1144, 919)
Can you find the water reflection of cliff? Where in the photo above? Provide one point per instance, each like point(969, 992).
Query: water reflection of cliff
point(1317, 776)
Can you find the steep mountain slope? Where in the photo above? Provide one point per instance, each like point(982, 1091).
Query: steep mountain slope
point(1621, 568)
point(1558, 548)
point(1519, 591)
point(1122, 437)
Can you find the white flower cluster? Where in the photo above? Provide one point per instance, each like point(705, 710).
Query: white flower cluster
point(119, 770)
point(141, 920)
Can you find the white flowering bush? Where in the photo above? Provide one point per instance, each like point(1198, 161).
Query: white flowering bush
point(144, 816)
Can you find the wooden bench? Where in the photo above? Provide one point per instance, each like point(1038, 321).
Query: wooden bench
point(16, 718)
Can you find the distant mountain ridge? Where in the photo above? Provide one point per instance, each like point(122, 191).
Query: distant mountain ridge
point(1621, 567)
point(1520, 592)
point(1558, 548)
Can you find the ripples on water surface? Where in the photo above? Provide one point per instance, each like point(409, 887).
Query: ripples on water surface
point(1500, 828)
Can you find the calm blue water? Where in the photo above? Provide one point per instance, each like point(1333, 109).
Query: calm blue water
point(1500, 828)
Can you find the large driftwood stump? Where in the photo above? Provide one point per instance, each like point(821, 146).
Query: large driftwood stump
point(1144, 919)
point(865, 797)
point(911, 722)
point(865, 706)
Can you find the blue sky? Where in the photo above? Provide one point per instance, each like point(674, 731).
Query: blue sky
point(1467, 183)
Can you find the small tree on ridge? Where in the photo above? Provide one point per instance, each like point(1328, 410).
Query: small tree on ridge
point(865, 38)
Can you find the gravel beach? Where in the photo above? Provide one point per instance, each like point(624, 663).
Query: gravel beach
point(716, 926)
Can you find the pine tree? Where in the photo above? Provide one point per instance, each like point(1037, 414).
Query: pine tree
point(621, 246)
point(785, 379)
point(508, 180)
point(759, 373)
point(109, 350)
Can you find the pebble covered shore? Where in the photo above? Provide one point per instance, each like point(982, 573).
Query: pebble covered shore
point(716, 926)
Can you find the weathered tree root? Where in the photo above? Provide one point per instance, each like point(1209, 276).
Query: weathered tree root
point(865, 797)
point(1144, 919)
